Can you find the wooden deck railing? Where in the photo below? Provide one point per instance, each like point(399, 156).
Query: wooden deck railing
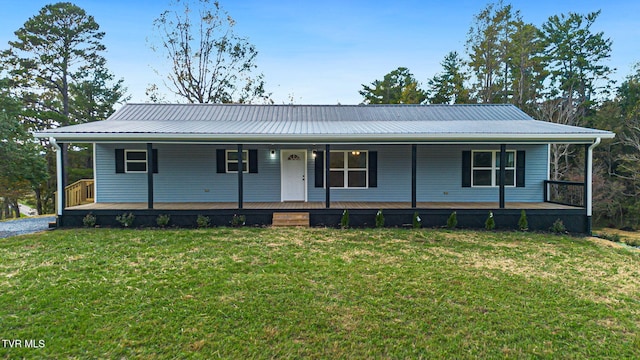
point(79, 193)
point(564, 192)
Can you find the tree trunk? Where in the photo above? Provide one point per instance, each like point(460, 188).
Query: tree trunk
point(38, 200)
point(16, 208)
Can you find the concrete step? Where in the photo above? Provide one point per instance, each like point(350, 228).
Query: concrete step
point(290, 219)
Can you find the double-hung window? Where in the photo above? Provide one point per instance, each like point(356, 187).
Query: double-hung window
point(135, 161)
point(348, 169)
point(485, 168)
point(232, 161)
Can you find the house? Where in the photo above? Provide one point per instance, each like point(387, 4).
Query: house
point(185, 160)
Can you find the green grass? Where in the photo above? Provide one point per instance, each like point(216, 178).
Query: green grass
point(317, 293)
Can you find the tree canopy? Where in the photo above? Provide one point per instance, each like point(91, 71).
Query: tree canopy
point(208, 62)
point(397, 87)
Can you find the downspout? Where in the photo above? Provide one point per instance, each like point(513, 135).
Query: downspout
point(60, 190)
point(589, 176)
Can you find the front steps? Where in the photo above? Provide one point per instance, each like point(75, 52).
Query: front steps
point(290, 219)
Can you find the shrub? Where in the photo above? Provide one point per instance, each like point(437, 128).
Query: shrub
point(89, 220)
point(632, 242)
point(558, 227)
point(490, 224)
point(379, 219)
point(203, 221)
point(163, 220)
point(611, 237)
point(523, 223)
point(417, 221)
point(238, 220)
point(452, 221)
point(344, 222)
point(126, 219)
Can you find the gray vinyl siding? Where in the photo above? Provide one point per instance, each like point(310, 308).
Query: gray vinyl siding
point(187, 173)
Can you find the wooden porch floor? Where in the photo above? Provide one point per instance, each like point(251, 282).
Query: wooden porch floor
point(317, 205)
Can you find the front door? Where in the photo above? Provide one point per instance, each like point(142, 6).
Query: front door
point(293, 181)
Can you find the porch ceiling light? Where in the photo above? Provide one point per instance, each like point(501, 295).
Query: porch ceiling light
point(273, 153)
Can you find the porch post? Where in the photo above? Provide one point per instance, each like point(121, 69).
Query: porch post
point(588, 157)
point(240, 171)
point(327, 187)
point(503, 172)
point(414, 152)
point(150, 175)
point(61, 184)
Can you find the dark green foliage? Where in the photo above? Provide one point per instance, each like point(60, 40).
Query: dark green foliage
point(452, 221)
point(417, 221)
point(523, 223)
point(379, 219)
point(344, 221)
point(238, 220)
point(163, 220)
point(89, 220)
point(448, 87)
point(397, 87)
point(490, 223)
point(126, 219)
point(558, 227)
point(203, 221)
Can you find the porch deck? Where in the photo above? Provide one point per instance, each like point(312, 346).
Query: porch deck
point(320, 205)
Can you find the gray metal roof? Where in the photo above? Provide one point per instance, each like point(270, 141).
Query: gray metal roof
point(322, 124)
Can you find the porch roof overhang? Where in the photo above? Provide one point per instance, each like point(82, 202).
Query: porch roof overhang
point(311, 124)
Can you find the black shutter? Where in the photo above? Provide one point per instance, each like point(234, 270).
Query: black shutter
point(155, 161)
point(221, 158)
point(373, 169)
point(119, 161)
point(520, 164)
point(253, 161)
point(466, 168)
point(319, 169)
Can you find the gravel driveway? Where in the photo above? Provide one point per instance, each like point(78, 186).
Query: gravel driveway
point(24, 226)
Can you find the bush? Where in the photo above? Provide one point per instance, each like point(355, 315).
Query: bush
point(238, 220)
point(344, 222)
point(490, 224)
point(379, 219)
point(203, 221)
point(89, 220)
point(417, 221)
point(126, 219)
point(163, 220)
point(523, 223)
point(558, 227)
point(611, 237)
point(452, 221)
point(632, 242)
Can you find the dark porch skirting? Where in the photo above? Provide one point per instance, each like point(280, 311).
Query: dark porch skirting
point(540, 216)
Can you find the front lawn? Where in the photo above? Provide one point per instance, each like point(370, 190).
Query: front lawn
point(316, 293)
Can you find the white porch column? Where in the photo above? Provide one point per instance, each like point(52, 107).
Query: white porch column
point(589, 181)
point(59, 177)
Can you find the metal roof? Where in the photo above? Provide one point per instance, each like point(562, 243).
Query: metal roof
point(322, 124)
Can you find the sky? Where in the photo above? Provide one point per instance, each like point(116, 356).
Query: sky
point(321, 52)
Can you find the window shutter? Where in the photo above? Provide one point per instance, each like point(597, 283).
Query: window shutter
point(319, 169)
point(119, 161)
point(155, 160)
point(520, 164)
point(466, 168)
point(221, 161)
point(373, 169)
point(253, 161)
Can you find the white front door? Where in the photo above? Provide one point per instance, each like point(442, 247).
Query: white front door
point(294, 173)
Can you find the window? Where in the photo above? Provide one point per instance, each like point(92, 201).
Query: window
point(485, 168)
point(135, 161)
point(232, 161)
point(348, 169)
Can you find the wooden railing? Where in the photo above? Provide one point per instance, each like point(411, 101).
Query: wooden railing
point(564, 192)
point(78, 193)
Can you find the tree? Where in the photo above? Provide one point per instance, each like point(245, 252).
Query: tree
point(56, 67)
point(22, 167)
point(527, 68)
point(488, 45)
point(397, 87)
point(209, 63)
point(448, 87)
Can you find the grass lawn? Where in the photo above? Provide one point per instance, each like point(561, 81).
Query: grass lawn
point(317, 293)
